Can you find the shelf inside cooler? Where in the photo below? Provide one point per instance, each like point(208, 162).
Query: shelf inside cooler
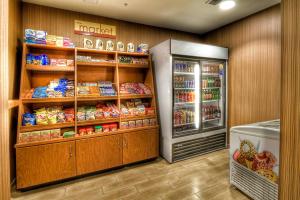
point(184, 73)
point(209, 120)
point(186, 124)
point(211, 74)
point(210, 101)
point(208, 88)
point(184, 88)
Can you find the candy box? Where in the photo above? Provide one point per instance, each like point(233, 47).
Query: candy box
point(124, 125)
point(89, 130)
point(106, 128)
point(54, 133)
point(24, 137)
point(35, 136)
point(98, 129)
point(113, 127)
point(69, 134)
point(131, 124)
point(45, 135)
point(82, 131)
point(146, 122)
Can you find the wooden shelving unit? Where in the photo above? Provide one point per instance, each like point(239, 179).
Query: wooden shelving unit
point(88, 153)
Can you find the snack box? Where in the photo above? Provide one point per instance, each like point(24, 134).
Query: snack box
point(35, 136)
point(106, 128)
point(69, 134)
point(98, 129)
point(24, 137)
point(82, 131)
point(139, 123)
point(152, 122)
point(54, 133)
point(45, 135)
point(124, 125)
point(150, 111)
point(89, 130)
point(59, 41)
point(146, 122)
point(113, 127)
point(131, 124)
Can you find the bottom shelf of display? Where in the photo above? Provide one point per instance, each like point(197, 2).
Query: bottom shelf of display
point(57, 140)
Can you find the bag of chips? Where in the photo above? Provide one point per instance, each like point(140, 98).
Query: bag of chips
point(28, 119)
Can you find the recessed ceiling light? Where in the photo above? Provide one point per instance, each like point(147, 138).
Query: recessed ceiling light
point(227, 4)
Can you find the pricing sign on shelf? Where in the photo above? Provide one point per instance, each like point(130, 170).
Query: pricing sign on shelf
point(94, 29)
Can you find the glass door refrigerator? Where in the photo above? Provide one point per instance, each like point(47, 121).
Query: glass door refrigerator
point(191, 91)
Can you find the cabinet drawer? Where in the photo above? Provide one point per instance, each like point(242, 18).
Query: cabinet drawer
point(140, 145)
point(45, 163)
point(99, 153)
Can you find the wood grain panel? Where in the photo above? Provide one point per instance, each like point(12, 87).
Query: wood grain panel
point(290, 102)
point(45, 163)
point(140, 145)
point(100, 153)
point(61, 22)
point(4, 122)
point(254, 66)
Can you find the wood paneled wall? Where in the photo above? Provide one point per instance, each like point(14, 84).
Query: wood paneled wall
point(61, 22)
point(254, 66)
point(290, 102)
point(4, 132)
point(14, 60)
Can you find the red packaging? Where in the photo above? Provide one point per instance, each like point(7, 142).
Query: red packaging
point(106, 128)
point(82, 131)
point(113, 127)
point(89, 130)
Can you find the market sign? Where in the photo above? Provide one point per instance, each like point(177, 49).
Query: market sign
point(94, 29)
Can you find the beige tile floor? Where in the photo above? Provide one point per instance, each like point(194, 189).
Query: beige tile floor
point(204, 177)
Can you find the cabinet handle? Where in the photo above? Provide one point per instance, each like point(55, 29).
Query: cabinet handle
point(125, 143)
point(70, 151)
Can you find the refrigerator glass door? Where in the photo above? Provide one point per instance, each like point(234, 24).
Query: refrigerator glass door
point(213, 94)
point(186, 96)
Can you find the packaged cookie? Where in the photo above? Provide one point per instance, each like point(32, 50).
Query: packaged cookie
point(106, 128)
point(89, 130)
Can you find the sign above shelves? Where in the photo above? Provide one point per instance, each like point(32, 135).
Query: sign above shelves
point(95, 29)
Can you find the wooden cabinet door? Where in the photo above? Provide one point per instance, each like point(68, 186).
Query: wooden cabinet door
point(45, 163)
point(140, 145)
point(99, 153)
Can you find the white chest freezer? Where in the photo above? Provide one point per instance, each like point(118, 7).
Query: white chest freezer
point(254, 159)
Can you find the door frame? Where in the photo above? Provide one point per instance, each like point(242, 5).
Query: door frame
point(4, 119)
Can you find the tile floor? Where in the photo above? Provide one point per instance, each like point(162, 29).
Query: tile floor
point(204, 177)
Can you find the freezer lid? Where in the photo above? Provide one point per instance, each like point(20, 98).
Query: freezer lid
point(198, 50)
point(267, 129)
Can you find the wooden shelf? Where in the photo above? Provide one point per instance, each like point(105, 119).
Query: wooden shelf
point(58, 140)
point(85, 50)
point(132, 54)
point(50, 68)
point(96, 64)
point(96, 98)
point(48, 100)
point(46, 127)
point(50, 47)
point(137, 117)
point(124, 65)
point(98, 121)
point(136, 96)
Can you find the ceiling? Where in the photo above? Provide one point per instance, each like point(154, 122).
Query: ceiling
point(186, 15)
